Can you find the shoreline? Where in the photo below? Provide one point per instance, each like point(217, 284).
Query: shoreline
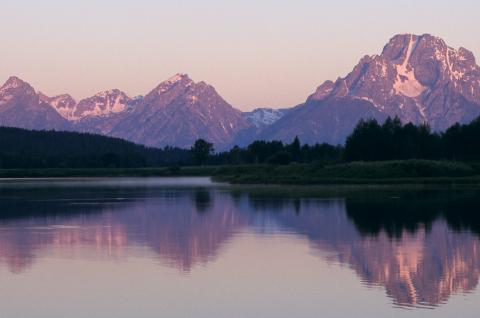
point(406, 172)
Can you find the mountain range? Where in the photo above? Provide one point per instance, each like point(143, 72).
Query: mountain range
point(419, 79)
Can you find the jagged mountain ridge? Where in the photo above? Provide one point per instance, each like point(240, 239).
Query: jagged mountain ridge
point(417, 78)
point(179, 111)
point(420, 79)
point(176, 113)
point(101, 104)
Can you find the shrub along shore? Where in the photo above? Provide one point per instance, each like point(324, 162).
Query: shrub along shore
point(385, 172)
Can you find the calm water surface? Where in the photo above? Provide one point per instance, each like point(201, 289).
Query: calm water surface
point(190, 248)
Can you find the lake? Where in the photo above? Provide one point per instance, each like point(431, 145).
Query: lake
point(187, 247)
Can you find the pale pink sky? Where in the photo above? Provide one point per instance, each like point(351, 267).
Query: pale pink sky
point(256, 53)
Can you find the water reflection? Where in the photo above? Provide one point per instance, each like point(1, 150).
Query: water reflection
point(420, 246)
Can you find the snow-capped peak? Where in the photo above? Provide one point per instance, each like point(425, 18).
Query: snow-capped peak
point(178, 80)
point(177, 77)
point(261, 117)
point(107, 93)
point(102, 103)
point(12, 82)
point(64, 104)
point(416, 77)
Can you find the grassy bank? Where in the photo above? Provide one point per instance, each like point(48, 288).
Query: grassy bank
point(388, 172)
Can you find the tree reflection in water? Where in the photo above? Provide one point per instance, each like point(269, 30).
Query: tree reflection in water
point(421, 246)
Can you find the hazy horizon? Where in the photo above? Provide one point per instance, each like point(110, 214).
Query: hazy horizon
point(269, 54)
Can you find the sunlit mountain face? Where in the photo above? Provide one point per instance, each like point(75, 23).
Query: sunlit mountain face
point(420, 247)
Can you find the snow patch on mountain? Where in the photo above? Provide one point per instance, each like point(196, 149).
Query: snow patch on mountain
point(177, 77)
point(4, 99)
point(406, 83)
point(63, 104)
point(102, 104)
point(12, 83)
point(173, 81)
point(261, 117)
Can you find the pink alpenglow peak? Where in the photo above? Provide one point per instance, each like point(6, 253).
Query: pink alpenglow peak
point(102, 104)
point(418, 78)
point(176, 78)
point(21, 106)
point(64, 104)
point(179, 111)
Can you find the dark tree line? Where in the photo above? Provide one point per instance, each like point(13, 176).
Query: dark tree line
point(277, 152)
point(371, 141)
point(20, 148)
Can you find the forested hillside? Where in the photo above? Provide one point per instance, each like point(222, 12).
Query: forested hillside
point(20, 148)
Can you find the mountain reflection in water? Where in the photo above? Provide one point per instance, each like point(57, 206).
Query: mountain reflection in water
point(420, 246)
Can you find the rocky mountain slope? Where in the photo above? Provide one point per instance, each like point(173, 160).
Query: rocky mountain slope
point(21, 106)
point(420, 79)
point(179, 111)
